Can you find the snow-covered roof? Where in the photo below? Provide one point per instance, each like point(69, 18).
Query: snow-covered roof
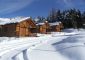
point(40, 23)
point(51, 24)
point(4, 21)
point(54, 23)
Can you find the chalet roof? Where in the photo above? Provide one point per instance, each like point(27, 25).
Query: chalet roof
point(40, 23)
point(54, 23)
point(4, 21)
point(51, 24)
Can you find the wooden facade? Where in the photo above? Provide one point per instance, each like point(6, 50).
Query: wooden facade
point(28, 28)
point(47, 27)
point(20, 29)
point(57, 27)
point(44, 28)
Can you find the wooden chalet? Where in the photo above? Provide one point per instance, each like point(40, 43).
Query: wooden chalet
point(46, 27)
point(43, 27)
point(20, 28)
point(56, 26)
point(27, 27)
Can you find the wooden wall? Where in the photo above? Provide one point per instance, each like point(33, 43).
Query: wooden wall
point(20, 29)
point(58, 29)
point(9, 30)
point(24, 28)
point(1, 30)
point(44, 28)
point(27, 28)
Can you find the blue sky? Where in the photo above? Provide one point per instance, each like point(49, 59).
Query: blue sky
point(13, 8)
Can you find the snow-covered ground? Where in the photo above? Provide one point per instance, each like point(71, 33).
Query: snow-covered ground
point(67, 45)
point(70, 47)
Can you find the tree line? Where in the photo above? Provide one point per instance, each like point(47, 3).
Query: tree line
point(71, 18)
